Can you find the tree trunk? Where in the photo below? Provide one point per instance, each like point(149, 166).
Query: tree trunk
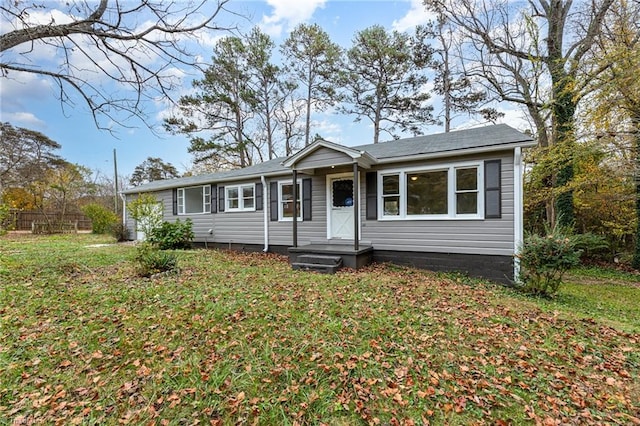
point(636, 254)
point(308, 119)
point(446, 81)
point(563, 108)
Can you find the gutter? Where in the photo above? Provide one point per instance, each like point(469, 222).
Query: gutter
point(265, 210)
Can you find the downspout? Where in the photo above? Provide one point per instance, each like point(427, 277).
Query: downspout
point(295, 210)
point(124, 208)
point(265, 204)
point(518, 210)
point(124, 212)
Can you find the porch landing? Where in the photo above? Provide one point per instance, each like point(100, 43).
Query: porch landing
point(304, 257)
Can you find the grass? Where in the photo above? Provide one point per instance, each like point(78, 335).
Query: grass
point(241, 338)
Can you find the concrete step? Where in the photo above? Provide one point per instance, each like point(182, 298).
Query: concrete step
point(325, 269)
point(320, 259)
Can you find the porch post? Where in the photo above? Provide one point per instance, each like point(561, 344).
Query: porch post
point(356, 208)
point(295, 210)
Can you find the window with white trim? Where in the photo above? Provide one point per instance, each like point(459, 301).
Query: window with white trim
point(285, 201)
point(240, 198)
point(467, 190)
point(442, 192)
point(194, 200)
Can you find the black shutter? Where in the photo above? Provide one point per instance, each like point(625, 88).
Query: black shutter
point(221, 198)
point(259, 194)
point(273, 200)
point(372, 195)
point(212, 195)
point(175, 201)
point(492, 189)
point(306, 199)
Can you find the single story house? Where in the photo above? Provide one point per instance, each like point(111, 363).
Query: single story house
point(450, 201)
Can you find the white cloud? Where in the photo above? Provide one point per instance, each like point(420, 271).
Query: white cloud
point(329, 130)
point(287, 14)
point(23, 119)
point(513, 116)
point(417, 15)
point(18, 87)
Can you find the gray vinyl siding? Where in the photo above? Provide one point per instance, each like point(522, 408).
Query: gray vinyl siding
point(239, 227)
point(201, 222)
point(129, 223)
point(281, 233)
point(323, 157)
point(488, 236)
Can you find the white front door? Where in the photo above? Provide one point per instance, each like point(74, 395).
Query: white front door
point(341, 196)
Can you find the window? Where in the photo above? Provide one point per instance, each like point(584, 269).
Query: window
point(467, 191)
point(427, 193)
point(391, 195)
point(342, 193)
point(432, 193)
point(194, 200)
point(285, 197)
point(240, 198)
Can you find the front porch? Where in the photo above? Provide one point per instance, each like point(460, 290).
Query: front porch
point(329, 257)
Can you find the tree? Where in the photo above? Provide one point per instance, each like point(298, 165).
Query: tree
point(313, 60)
point(239, 111)
point(61, 191)
point(220, 109)
point(384, 80)
point(135, 44)
point(146, 210)
point(25, 156)
point(289, 114)
point(451, 82)
point(614, 110)
point(542, 38)
point(269, 89)
point(151, 169)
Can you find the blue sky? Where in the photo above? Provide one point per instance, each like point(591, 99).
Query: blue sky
point(31, 102)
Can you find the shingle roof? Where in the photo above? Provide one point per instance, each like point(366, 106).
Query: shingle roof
point(270, 167)
point(476, 138)
point(480, 138)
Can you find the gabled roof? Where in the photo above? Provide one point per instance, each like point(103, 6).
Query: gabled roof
point(461, 142)
point(363, 158)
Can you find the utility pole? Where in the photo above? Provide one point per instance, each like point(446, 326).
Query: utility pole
point(115, 180)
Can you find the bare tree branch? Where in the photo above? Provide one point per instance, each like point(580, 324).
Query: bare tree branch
point(137, 47)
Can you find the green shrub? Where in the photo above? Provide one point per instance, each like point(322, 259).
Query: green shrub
point(545, 259)
point(102, 219)
point(4, 216)
point(593, 247)
point(170, 236)
point(153, 261)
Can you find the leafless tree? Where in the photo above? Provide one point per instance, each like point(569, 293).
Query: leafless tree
point(141, 46)
point(524, 48)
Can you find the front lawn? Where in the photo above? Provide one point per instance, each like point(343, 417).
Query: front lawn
point(241, 338)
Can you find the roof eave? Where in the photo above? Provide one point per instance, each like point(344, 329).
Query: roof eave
point(457, 152)
point(169, 185)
